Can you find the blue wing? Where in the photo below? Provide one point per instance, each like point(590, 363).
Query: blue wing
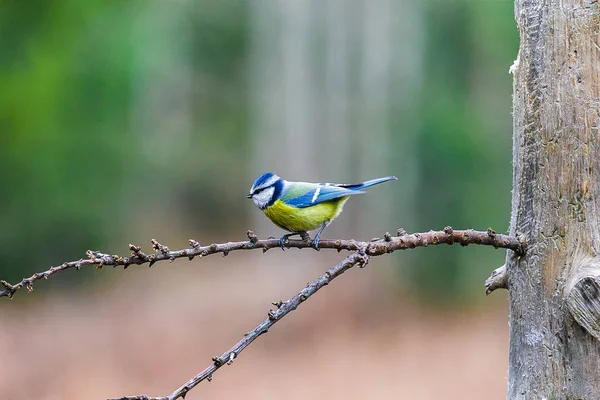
point(366, 184)
point(320, 194)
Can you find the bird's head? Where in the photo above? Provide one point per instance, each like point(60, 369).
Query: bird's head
point(265, 190)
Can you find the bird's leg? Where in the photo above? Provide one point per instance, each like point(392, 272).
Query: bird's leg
point(284, 239)
point(303, 234)
point(318, 235)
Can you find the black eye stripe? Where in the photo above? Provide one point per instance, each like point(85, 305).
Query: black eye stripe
point(256, 191)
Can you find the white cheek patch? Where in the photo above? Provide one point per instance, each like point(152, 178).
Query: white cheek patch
point(263, 198)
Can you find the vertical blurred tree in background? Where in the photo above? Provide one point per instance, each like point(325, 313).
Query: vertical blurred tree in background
point(115, 116)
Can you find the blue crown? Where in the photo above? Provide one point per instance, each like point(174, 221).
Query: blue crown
point(264, 179)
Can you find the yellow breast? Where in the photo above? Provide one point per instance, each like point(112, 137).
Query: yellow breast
point(304, 219)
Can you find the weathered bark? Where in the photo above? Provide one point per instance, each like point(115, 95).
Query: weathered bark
point(556, 201)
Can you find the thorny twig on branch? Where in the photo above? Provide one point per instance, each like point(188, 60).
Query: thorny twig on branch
point(283, 308)
point(375, 247)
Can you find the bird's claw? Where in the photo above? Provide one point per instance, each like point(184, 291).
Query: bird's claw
point(304, 235)
point(282, 241)
point(315, 243)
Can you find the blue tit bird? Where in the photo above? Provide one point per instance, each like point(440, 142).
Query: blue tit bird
point(299, 207)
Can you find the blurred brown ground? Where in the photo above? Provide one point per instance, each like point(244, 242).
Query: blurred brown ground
point(149, 331)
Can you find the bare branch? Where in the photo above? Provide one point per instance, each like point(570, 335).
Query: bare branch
point(283, 308)
point(375, 247)
point(497, 280)
point(362, 252)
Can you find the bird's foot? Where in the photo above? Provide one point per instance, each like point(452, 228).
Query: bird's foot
point(315, 242)
point(282, 241)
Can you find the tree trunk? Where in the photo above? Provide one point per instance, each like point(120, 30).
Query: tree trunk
point(554, 302)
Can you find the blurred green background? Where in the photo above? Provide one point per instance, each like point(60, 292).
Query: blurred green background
point(126, 120)
point(122, 121)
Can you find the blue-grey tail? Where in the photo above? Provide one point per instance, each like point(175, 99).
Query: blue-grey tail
point(366, 184)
